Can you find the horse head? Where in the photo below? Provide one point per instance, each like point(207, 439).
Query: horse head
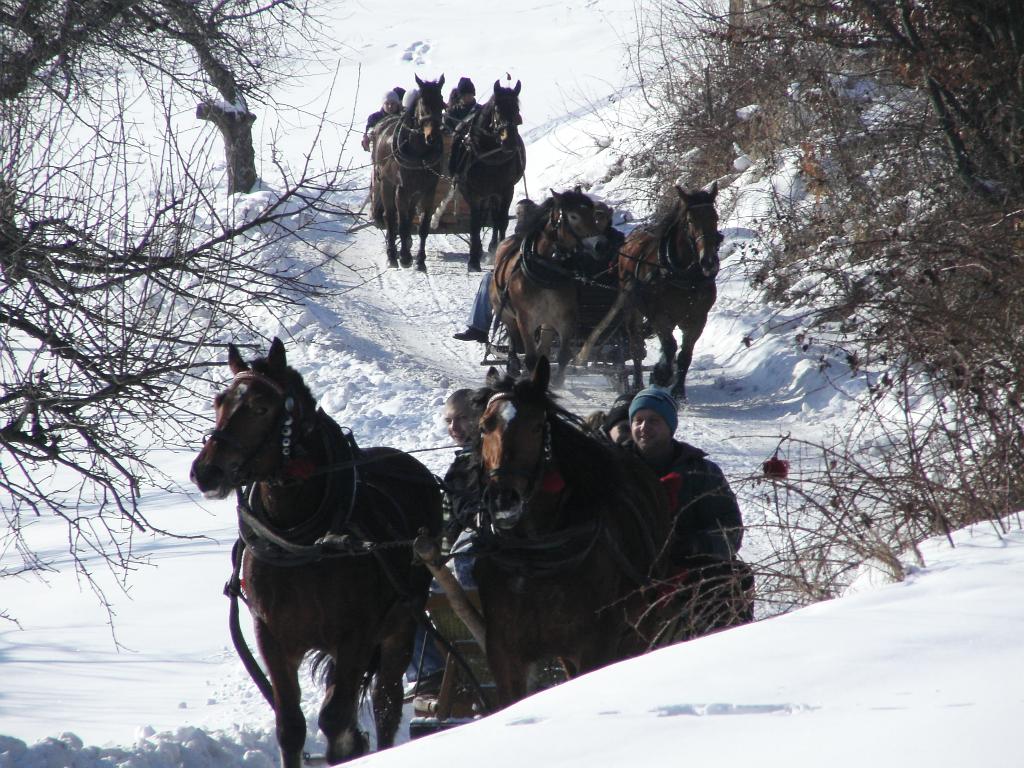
point(515, 445)
point(697, 209)
point(426, 113)
point(260, 418)
point(504, 113)
point(574, 222)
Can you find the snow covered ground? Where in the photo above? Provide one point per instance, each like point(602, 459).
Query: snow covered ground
point(926, 672)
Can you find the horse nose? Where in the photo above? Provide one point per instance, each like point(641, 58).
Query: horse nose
point(206, 476)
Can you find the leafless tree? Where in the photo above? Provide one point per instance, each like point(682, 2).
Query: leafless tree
point(902, 256)
point(123, 270)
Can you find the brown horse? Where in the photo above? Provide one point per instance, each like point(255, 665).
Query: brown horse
point(572, 530)
point(667, 276)
point(488, 160)
point(670, 273)
point(534, 287)
point(406, 166)
point(304, 479)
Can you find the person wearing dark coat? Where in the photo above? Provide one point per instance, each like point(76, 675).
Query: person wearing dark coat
point(461, 109)
point(708, 519)
point(460, 503)
point(714, 589)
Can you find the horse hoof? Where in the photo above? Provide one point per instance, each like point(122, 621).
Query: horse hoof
point(392, 263)
point(473, 266)
point(421, 266)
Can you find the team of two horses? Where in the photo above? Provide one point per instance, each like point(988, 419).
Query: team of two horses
point(666, 279)
point(570, 545)
point(487, 161)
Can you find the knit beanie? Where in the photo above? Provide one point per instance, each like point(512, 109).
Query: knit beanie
point(659, 401)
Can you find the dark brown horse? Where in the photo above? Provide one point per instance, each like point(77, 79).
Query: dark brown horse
point(488, 160)
point(572, 530)
point(406, 166)
point(667, 277)
point(305, 479)
point(670, 274)
point(534, 290)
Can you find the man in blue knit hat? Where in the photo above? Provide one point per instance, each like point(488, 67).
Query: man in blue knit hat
point(708, 529)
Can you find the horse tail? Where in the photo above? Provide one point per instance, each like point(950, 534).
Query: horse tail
point(321, 671)
point(321, 668)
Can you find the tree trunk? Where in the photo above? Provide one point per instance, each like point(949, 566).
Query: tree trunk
point(235, 126)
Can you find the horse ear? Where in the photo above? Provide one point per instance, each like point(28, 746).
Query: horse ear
point(235, 361)
point(683, 195)
point(418, 81)
point(519, 85)
point(497, 86)
point(440, 82)
point(542, 374)
point(493, 378)
point(275, 357)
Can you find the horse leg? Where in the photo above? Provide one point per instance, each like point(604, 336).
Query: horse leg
point(339, 714)
point(475, 245)
point(662, 374)
point(406, 211)
point(515, 345)
point(637, 348)
point(501, 216)
point(395, 655)
point(391, 231)
point(283, 671)
point(497, 225)
point(565, 338)
point(529, 344)
point(510, 676)
point(428, 214)
point(685, 357)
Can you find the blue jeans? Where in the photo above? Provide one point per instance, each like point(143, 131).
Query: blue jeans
point(424, 648)
point(480, 313)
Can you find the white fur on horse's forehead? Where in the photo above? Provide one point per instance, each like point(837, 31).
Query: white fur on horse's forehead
point(508, 411)
point(508, 408)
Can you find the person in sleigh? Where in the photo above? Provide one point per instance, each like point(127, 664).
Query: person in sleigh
point(711, 586)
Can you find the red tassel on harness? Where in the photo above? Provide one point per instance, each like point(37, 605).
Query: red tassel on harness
point(553, 482)
point(300, 469)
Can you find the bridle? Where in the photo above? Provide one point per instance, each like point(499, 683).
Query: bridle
point(696, 241)
point(413, 123)
point(544, 461)
point(285, 426)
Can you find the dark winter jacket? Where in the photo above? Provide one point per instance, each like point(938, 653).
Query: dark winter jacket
point(462, 493)
point(708, 519)
point(456, 114)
